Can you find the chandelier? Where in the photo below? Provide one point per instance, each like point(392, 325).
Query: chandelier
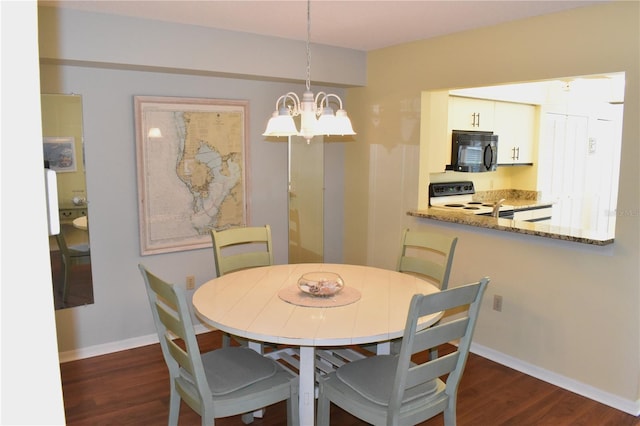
point(317, 117)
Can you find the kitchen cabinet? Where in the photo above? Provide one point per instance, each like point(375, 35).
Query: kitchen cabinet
point(68, 213)
point(471, 114)
point(515, 125)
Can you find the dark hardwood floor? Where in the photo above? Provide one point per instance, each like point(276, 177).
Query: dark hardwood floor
point(132, 388)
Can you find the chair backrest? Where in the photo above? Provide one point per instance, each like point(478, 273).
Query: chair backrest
point(408, 374)
point(173, 321)
point(428, 254)
point(242, 248)
point(71, 251)
point(62, 244)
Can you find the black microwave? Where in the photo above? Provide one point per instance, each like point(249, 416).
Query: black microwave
point(473, 151)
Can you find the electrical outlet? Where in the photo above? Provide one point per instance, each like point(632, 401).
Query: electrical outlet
point(191, 282)
point(497, 303)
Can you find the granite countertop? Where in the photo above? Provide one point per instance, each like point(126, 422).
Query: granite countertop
point(518, 199)
point(520, 227)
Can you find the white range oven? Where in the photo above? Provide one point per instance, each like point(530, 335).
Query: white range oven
point(458, 197)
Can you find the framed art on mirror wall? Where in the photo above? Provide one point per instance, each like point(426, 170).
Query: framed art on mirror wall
point(60, 153)
point(192, 161)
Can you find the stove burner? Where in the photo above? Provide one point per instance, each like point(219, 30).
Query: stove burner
point(454, 205)
point(474, 202)
point(489, 205)
point(471, 208)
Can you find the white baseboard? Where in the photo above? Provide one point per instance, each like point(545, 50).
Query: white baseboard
point(555, 379)
point(120, 345)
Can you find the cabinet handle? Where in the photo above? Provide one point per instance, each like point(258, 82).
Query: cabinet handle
point(517, 153)
point(475, 122)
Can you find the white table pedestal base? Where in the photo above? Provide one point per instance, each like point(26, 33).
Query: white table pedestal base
point(307, 385)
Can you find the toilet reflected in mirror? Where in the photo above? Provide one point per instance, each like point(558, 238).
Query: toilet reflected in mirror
point(63, 149)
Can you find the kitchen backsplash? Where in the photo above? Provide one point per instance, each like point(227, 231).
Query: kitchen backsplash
point(508, 194)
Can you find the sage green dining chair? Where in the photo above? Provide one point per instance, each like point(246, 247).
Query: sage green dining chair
point(220, 383)
point(241, 248)
point(73, 253)
point(427, 254)
point(393, 389)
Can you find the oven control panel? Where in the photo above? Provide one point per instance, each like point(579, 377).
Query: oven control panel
point(444, 189)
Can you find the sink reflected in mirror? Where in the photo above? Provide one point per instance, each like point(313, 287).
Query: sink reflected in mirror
point(63, 147)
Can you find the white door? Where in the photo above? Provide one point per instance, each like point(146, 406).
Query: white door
point(601, 187)
point(568, 136)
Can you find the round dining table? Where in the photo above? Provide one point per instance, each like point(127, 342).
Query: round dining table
point(265, 305)
point(81, 223)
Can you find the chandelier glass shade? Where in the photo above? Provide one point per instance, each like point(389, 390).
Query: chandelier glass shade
point(317, 117)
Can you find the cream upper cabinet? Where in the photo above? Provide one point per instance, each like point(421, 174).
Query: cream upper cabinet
point(515, 125)
point(471, 114)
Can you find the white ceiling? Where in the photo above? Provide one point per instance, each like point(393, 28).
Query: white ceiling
point(356, 24)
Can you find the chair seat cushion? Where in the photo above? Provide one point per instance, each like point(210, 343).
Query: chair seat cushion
point(233, 368)
point(373, 378)
point(81, 248)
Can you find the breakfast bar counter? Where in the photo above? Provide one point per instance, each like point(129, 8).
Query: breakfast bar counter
point(517, 226)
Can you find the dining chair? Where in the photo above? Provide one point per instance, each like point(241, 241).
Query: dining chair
point(220, 383)
point(396, 390)
point(427, 255)
point(241, 248)
point(74, 253)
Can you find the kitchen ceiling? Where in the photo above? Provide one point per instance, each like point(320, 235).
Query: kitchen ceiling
point(356, 24)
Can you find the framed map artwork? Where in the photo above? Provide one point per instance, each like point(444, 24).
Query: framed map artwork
point(192, 161)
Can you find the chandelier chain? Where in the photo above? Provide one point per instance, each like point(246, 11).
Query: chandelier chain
point(308, 45)
point(316, 116)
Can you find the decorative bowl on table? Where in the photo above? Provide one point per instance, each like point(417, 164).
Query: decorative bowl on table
point(320, 284)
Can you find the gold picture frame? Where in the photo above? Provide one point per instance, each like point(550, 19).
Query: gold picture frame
point(192, 156)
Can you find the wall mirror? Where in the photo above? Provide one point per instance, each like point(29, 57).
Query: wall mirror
point(575, 155)
point(70, 251)
point(306, 200)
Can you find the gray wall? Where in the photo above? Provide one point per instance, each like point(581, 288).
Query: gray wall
point(109, 41)
point(120, 316)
